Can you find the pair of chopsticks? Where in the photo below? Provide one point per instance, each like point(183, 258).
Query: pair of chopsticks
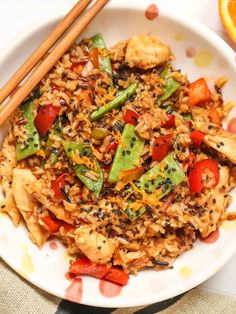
point(51, 59)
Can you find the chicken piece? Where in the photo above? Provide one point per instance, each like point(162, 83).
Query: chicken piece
point(217, 202)
point(224, 143)
point(37, 190)
point(146, 52)
point(8, 163)
point(27, 204)
point(94, 245)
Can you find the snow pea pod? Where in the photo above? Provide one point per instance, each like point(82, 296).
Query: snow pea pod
point(115, 103)
point(80, 169)
point(104, 62)
point(170, 88)
point(32, 144)
point(160, 180)
point(127, 154)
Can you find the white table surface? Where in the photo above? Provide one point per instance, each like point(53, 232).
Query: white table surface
point(19, 14)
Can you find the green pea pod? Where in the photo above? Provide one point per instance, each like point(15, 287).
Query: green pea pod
point(32, 143)
point(80, 169)
point(104, 63)
point(165, 72)
point(127, 153)
point(170, 88)
point(163, 183)
point(115, 103)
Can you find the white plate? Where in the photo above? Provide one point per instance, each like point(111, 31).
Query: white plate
point(208, 56)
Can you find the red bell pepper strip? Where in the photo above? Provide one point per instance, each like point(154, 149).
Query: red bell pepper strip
point(198, 93)
point(196, 172)
point(131, 117)
point(117, 275)
point(132, 174)
point(57, 185)
point(83, 266)
point(45, 118)
point(111, 146)
point(197, 138)
point(214, 117)
point(53, 224)
point(94, 57)
point(171, 121)
point(161, 147)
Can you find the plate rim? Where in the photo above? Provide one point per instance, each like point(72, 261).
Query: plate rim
point(202, 31)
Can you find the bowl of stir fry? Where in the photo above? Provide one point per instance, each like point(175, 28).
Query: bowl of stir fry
point(118, 170)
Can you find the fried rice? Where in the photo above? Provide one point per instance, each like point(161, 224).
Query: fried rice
point(69, 192)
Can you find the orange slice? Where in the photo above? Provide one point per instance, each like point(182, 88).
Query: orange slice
point(227, 11)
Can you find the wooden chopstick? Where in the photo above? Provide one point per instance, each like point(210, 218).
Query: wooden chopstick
point(51, 59)
point(37, 55)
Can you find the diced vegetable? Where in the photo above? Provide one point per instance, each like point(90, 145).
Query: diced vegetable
point(83, 266)
point(198, 93)
point(99, 133)
point(196, 173)
point(171, 121)
point(45, 118)
point(33, 144)
point(85, 154)
point(131, 117)
point(104, 61)
point(161, 147)
point(53, 224)
point(170, 88)
point(94, 57)
point(197, 138)
point(118, 276)
point(214, 117)
point(111, 146)
point(127, 154)
point(165, 72)
point(187, 116)
point(131, 175)
point(58, 185)
point(159, 180)
point(115, 103)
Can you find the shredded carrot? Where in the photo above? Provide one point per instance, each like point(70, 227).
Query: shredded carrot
point(91, 164)
point(41, 153)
